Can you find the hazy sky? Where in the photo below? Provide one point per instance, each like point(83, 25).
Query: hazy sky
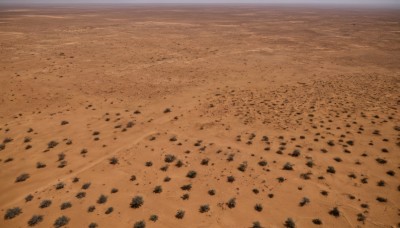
point(362, 2)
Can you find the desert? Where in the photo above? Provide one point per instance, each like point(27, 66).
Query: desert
point(199, 116)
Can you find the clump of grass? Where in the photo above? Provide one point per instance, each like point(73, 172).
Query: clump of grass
point(180, 214)
point(40, 165)
point(185, 196)
point(27, 139)
point(204, 208)
point(361, 217)
point(262, 163)
point(317, 221)
point(45, 203)
point(102, 199)
point(114, 190)
point(191, 174)
point(64, 122)
point(381, 199)
point(256, 224)
point(167, 110)
point(59, 185)
point(186, 187)
point(153, 218)
point(231, 203)
point(61, 156)
point(140, 224)
point(2, 146)
point(137, 202)
point(35, 219)
point(331, 169)
point(7, 140)
point(205, 161)
point(61, 221)
point(211, 192)
point(22, 177)
point(93, 225)
point(65, 205)
point(12, 213)
point(167, 179)
point(149, 164)
point(289, 223)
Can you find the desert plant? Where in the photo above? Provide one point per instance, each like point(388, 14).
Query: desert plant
point(289, 223)
point(22, 177)
point(86, 185)
point(59, 185)
point(288, 166)
point(180, 214)
point(12, 213)
point(148, 163)
point(27, 139)
point(2, 146)
point(52, 144)
point(295, 153)
point(61, 156)
point(64, 122)
point(361, 217)
point(91, 208)
point(258, 207)
point(242, 167)
point(93, 225)
point(65, 205)
point(231, 203)
point(84, 151)
point(335, 212)
point(35, 219)
point(157, 189)
point(262, 163)
point(114, 190)
point(211, 192)
point(191, 174)
point(137, 202)
point(381, 199)
point(169, 158)
point(40, 165)
point(204, 161)
point(61, 221)
point(331, 169)
point(317, 221)
point(153, 218)
point(304, 201)
point(28, 198)
point(102, 199)
point(230, 179)
point(256, 224)
point(167, 179)
point(140, 224)
point(109, 210)
point(186, 187)
point(113, 161)
point(204, 208)
point(45, 203)
point(80, 195)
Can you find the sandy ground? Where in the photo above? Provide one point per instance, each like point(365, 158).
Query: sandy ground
point(229, 91)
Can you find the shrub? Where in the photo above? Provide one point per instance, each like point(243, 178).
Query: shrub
point(52, 144)
point(191, 174)
point(185, 196)
point(84, 151)
point(61, 221)
point(242, 167)
point(361, 217)
point(12, 213)
point(167, 179)
point(28, 198)
point(93, 225)
point(230, 179)
point(331, 169)
point(288, 166)
point(102, 199)
point(62, 164)
point(7, 140)
point(149, 164)
point(381, 161)
point(289, 223)
point(317, 221)
point(59, 185)
point(381, 199)
point(204, 208)
point(40, 165)
point(256, 224)
point(61, 156)
point(167, 110)
point(64, 122)
point(157, 189)
point(335, 212)
point(86, 185)
point(180, 214)
point(140, 224)
point(304, 201)
point(27, 139)
point(137, 202)
point(45, 203)
point(80, 195)
point(295, 153)
point(114, 190)
point(35, 219)
point(65, 205)
point(22, 177)
point(2, 146)
point(109, 210)
point(211, 192)
point(262, 163)
point(153, 218)
point(231, 203)
point(113, 161)
point(91, 208)
point(169, 158)
point(258, 207)
point(187, 187)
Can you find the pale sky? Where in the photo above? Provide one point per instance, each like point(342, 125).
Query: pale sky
point(357, 2)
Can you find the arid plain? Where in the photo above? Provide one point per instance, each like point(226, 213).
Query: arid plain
point(199, 116)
